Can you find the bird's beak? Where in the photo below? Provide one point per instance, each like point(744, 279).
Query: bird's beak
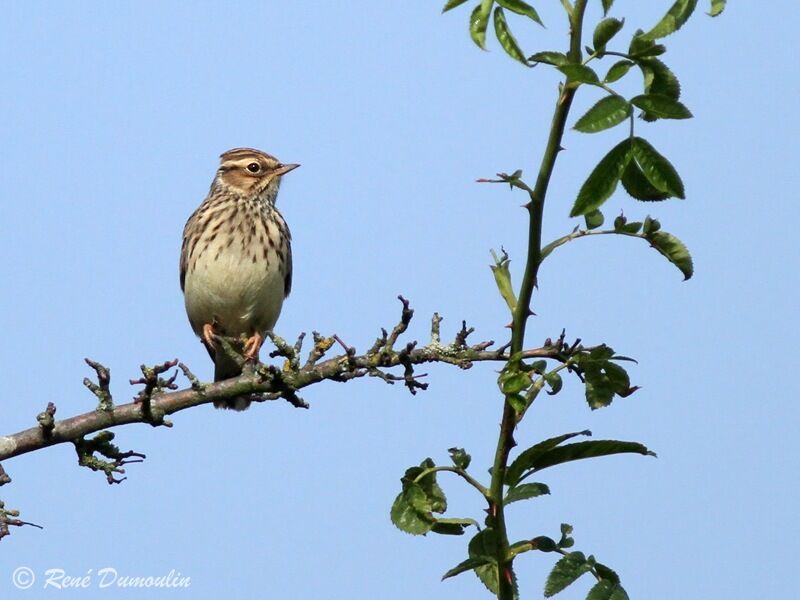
point(284, 169)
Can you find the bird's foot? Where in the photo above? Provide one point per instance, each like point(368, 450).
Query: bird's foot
point(252, 347)
point(210, 335)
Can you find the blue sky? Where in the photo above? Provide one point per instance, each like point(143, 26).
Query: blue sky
point(113, 118)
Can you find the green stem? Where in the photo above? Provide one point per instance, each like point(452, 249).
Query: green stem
point(460, 472)
point(536, 210)
point(584, 233)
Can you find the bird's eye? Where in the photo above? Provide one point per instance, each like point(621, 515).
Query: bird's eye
point(254, 167)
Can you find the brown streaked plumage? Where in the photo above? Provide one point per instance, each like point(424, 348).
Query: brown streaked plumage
point(236, 259)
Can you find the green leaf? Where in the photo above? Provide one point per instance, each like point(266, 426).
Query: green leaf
point(606, 573)
point(521, 8)
point(557, 59)
point(607, 590)
point(579, 73)
point(632, 227)
point(514, 382)
point(594, 219)
point(484, 544)
point(565, 572)
point(605, 30)
point(617, 71)
point(452, 4)
point(717, 6)
point(675, 18)
point(583, 450)
point(640, 46)
point(606, 113)
point(405, 515)
point(566, 540)
point(602, 181)
point(661, 106)
point(468, 565)
point(502, 277)
point(658, 170)
point(434, 493)
point(460, 458)
point(529, 457)
point(452, 526)
point(651, 225)
point(675, 251)
point(638, 186)
point(658, 78)
point(505, 37)
point(525, 491)
point(607, 6)
point(555, 382)
point(543, 543)
point(479, 21)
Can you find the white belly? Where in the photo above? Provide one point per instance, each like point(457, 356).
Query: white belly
point(226, 286)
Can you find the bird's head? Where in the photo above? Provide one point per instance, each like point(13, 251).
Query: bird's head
point(252, 173)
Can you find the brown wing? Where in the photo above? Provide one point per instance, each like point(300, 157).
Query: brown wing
point(287, 279)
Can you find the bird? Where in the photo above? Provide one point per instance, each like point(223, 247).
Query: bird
point(236, 260)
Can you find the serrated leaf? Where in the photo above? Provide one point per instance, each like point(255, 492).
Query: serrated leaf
point(606, 573)
point(617, 376)
point(603, 179)
point(675, 18)
point(452, 526)
point(529, 457)
point(460, 457)
point(452, 4)
point(579, 73)
point(521, 8)
point(607, 590)
point(650, 225)
point(468, 565)
point(556, 59)
point(607, 6)
point(632, 227)
point(640, 46)
point(513, 383)
point(717, 6)
point(661, 106)
point(525, 491)
point(674, 250)
point(605, 31)
point(484, 543)
point(583, 450)
point(506, 39)
point(658, 78)
point(606, 113)
point(594, 219)
point(617, 71)
point(479, 21)
point(565, 572)
point(406, 517)
point(657, 169)
point(638, 186)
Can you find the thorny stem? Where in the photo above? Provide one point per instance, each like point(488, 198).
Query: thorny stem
point(523, 309)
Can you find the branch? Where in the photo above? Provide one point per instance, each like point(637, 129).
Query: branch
point(263, 382)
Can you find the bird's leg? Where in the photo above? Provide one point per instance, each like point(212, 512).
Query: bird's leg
point(252, 347)
point(209, 334)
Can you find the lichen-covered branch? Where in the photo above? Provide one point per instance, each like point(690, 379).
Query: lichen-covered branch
point(160, 397)
point(265, 382)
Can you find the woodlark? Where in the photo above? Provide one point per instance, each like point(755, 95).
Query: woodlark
point(236, 260)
